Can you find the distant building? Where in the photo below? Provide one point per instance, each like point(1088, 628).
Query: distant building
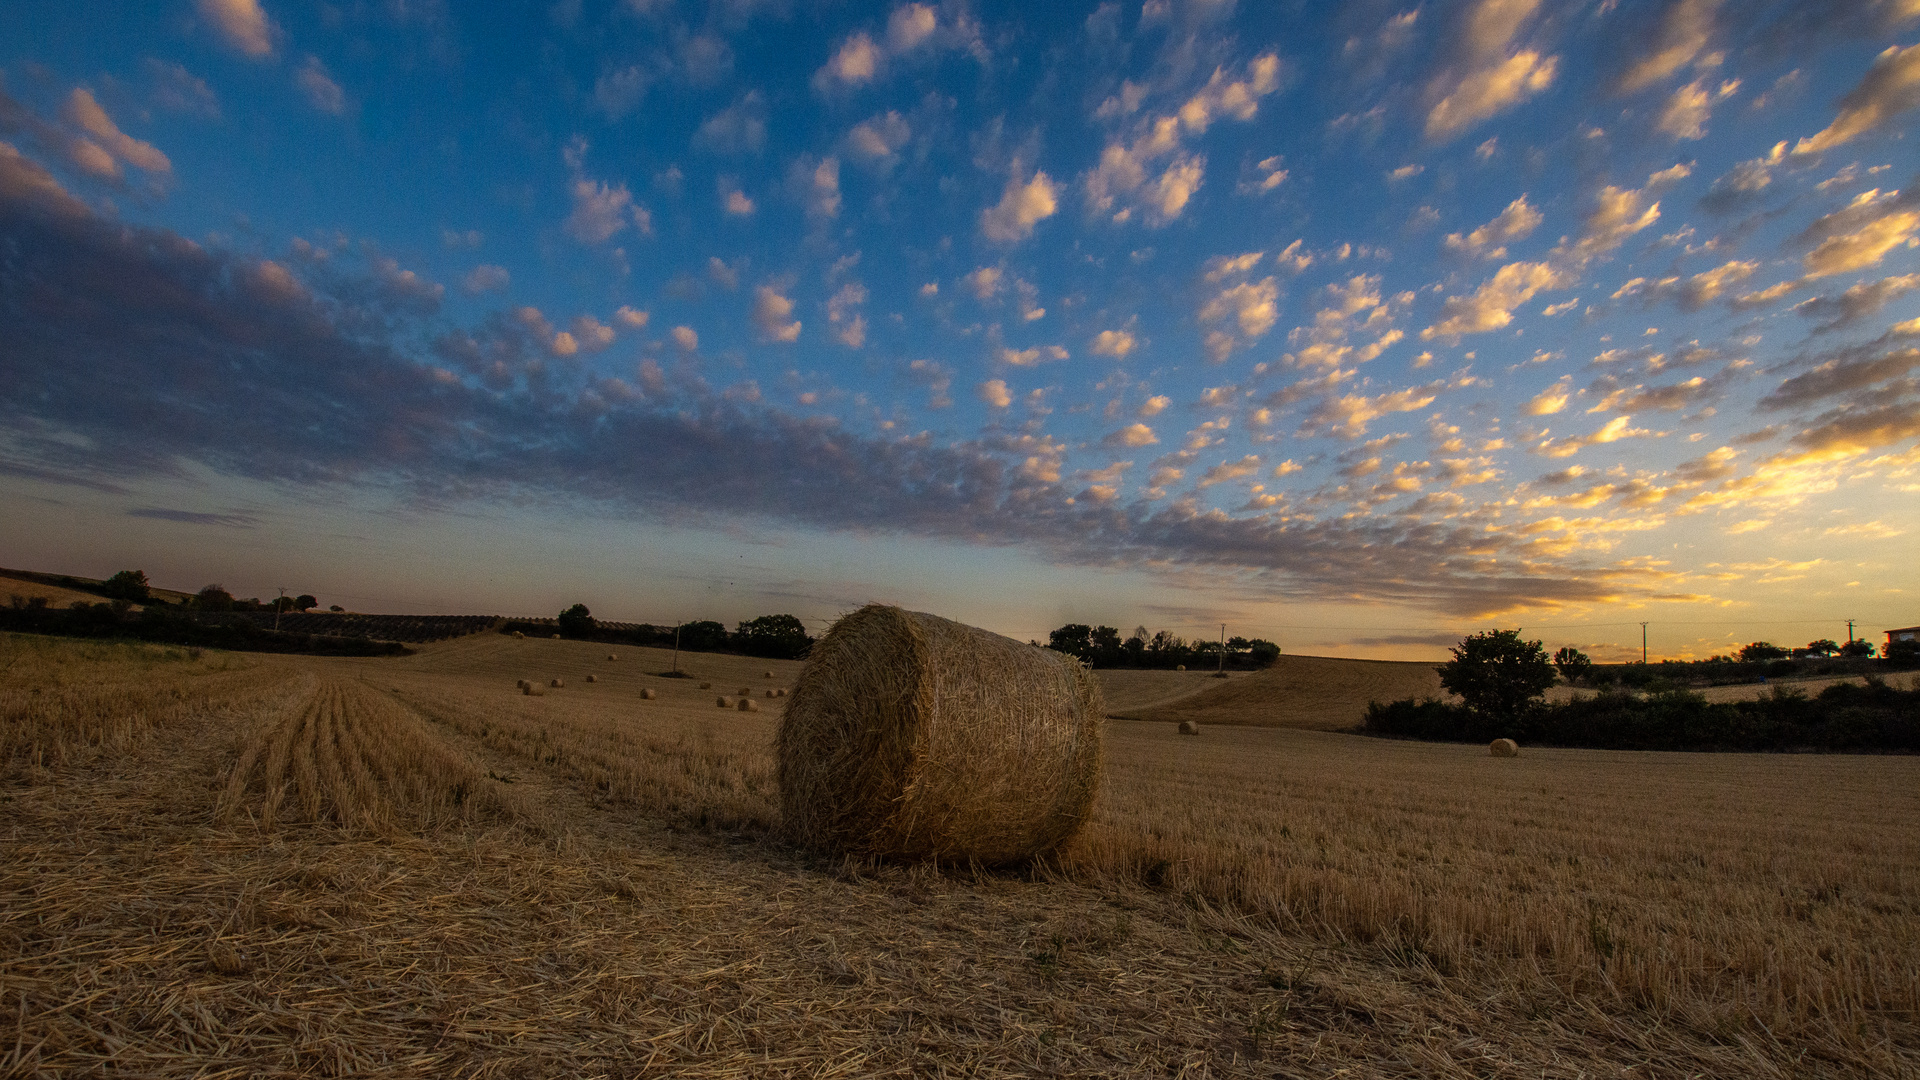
point(1905, 633)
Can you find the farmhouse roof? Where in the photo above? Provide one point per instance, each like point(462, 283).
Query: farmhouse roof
point(1904, 630)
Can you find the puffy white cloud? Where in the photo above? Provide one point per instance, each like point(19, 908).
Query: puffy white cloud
point(773, 315)
point(242, 23)
point(1254, 306)
point(1114, 343)
point(1155, 405)
point(1221, 267)
point(600, 210)
point(321, 91)
point(1619, 213)
point(878, 138)
point(1020, 207)
point(1685, 33)
point(1620, 427)
point(1230, 470)
point(1744, 181)
point(855, 62)
point(984, 283)
point(1489, 241)
point(405, 283)
point(1227, 96)
point(591, 334)
point(1132, 435)
point(85, 113)
point(995, 393)
point(1686, 112)
point(1549, 401)
point(685, 338)
point(823, 188)
point(485, 278)
point(909, 26)
point(735, 202)
point(1349, 414)
point(1490, 307)
point(740, 128)
point(1890, 87)
point(1861, 233)
point(850, 326)
point(1132, 170)
point(1038, 354)
point(631, 318)
point(1487, 73)
point(1858, 302)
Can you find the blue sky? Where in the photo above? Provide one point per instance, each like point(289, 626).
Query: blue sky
point(1354, 327)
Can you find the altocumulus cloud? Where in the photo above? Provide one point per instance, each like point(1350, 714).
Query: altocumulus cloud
point(135, 350)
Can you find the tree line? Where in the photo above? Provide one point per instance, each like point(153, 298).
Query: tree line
point(1501, 680)
point(1102, 647)
point(774, 637)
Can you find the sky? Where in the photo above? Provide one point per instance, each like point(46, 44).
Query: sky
point(1355, 327)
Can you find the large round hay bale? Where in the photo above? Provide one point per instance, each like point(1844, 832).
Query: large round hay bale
point(768, 675)
point(1188, 727)
point(647, 693)
point(781, 692)
point(611, 656)
point(1179, 667)
point(593, 678)
point(706, 686)
point(518, 634)
point(1504, 748)
point(557, 683)
point(912, 736)
point(747, 704)
point(723, 702)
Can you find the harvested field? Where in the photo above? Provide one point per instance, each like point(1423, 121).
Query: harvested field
point(1251, 903)
point(55, 595)
point(1312, 692)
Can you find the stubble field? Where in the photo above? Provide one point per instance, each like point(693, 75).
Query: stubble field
point(236, 865)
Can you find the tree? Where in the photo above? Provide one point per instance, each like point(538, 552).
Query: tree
point(1574, 665)
point(703, 636)
point(1856, 648)
point(128, 585)
point(1497, 674)
point(1264, 652)
point(782, 637)
point(213, 598)
point(1074, 639)
point(1762, 650)
point(576, 621)
point(1904, 650)
point(305, 602)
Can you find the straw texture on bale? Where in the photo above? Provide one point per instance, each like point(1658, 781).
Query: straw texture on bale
point(913, 736)
point(610, 656)
point(1504, 748)
point(557, 683)
point(1179, 667)
point(723, 702)
point(647, 693)
point(1188, 727)
point(593, 678)
point(747, 704)
point(768, 675)
point(770, 693)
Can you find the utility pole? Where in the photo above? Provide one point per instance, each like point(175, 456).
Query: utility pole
point(1222, 669)
point(676, 650)
point(1849, 631)
point(278, 608)
point(1643, 644)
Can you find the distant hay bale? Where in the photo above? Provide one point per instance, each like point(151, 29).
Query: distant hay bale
point(646, 693)
point(745, 690)
point(1188, 727)
point(610, 656)
point(518, 634)
point(556, 637)
point(1179, 667)
point(1504, 748)
point(781, 692)
point(723, 702)
point(913, 736)
point(770, 693)
point(593, 678)
point(747, 704)
point(768, 675)
point(522, 684)
point(557, 683)
point(706, 686)
point(531, 690)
